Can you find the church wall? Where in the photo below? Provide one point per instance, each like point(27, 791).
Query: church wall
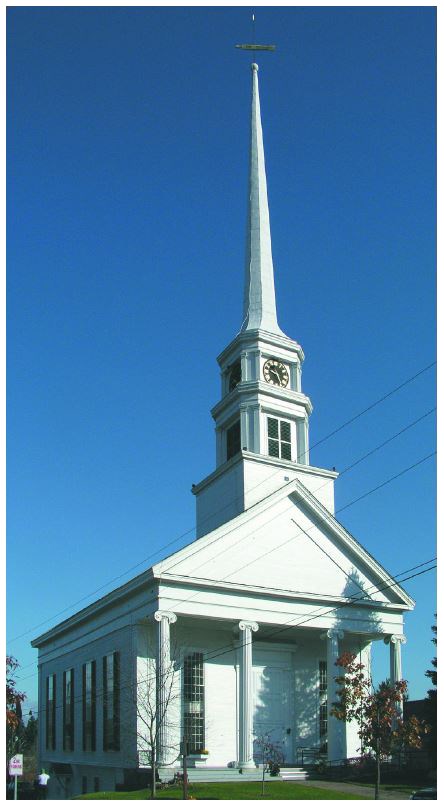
point(265, 476)
point(116, 640)
point(220, 501)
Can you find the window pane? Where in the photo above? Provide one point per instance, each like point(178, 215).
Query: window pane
point(286, 450)
point(273, 428)
point(285, 431)
point(273, 448)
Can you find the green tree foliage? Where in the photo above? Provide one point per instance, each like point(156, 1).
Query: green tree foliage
point(14, 698)
point(382, 730)
point(15, 742)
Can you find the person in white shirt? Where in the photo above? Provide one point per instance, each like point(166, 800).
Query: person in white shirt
point(42, 779)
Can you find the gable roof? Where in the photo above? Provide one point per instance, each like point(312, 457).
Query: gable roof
point(290, 544)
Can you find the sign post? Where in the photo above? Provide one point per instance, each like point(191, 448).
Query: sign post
point(16, 769)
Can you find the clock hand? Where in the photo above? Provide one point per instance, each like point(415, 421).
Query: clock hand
point(274, 372)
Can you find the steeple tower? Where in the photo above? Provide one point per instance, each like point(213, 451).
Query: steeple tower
point(262, 418)
point(259, 295)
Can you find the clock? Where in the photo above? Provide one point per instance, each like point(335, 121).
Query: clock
point(235, 376)
point(276, 372)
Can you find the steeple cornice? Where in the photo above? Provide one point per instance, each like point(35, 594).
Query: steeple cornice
point(250, 336)
point(259, 294)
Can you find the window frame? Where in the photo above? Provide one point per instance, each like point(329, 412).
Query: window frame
point(279, 441)
point(323, 705)
point(237, 450)
point(111, 733)
point(89, 727)
point(198, 714)
point(68, 709)
point(51, 711)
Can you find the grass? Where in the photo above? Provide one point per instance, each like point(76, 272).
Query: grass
point(274, 790)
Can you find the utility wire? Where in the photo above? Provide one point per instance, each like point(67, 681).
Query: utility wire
point(289, 625)
point(268, 478)
point(87, 596)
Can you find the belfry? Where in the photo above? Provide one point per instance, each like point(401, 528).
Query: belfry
point(234, 637)
point(262, 418)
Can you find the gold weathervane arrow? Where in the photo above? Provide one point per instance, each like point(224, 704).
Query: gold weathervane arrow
point(254, 46)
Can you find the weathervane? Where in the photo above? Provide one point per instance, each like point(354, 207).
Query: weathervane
point(254, 46)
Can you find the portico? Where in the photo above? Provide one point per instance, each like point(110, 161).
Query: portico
point(271, 680)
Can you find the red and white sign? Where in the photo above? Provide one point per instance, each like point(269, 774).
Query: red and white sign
point(16, 765)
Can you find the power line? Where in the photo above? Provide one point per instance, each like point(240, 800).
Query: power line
point(256, 558)
point(372, 405)
point(268, 478)
point(289, 625)
point(87, 596)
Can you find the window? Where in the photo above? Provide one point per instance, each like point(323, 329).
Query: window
point(323, 706)
point(89, 705)
point(111, 702)
point(68, 710)
point(194, 702)
point(235, 376)
point(84, 785)
point(279, 438)
point(51, 712)
point(233, 440)
point(96, 784)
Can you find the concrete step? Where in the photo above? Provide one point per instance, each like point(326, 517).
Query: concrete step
point(293, 774)
point(216, 774)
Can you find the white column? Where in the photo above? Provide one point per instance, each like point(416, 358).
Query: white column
point(395, 642)
point(246, 628)
point(335, 728)
point(163, 681)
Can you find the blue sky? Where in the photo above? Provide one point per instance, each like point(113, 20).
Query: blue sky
point(127, 176)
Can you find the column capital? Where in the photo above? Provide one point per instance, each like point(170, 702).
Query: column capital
point(332, 634)
point(394, 639)
point(249, 625)
point(166, 614)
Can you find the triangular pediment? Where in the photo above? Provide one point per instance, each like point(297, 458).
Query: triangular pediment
point(289, 544)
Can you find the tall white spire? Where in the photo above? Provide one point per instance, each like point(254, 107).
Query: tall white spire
point(259, 295)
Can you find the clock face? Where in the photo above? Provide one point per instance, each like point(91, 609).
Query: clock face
point(235, 376)
point(275, 372)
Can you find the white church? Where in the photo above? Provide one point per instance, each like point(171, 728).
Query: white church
point(241, 628)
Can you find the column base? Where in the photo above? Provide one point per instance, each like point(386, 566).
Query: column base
point(246, 765)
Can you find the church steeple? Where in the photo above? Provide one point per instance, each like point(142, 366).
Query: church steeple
point(261, 419)
point(259, 294)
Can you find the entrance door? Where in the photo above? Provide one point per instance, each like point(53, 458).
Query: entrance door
point(273, 706)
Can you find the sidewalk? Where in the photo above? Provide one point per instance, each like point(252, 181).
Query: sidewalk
point(357, 789)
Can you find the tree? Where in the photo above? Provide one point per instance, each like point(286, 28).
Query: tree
point(154, 696)
point(382, 730)
point(15, 741)
point(432, 701)
point(271, 755)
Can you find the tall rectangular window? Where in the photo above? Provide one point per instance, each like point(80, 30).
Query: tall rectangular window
point(89, 705)
point(68, 709)
point(51, 712)
point(233, 440)
point(111, 702)
point(279, 438)
point(194, 702)
point(323, 707)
